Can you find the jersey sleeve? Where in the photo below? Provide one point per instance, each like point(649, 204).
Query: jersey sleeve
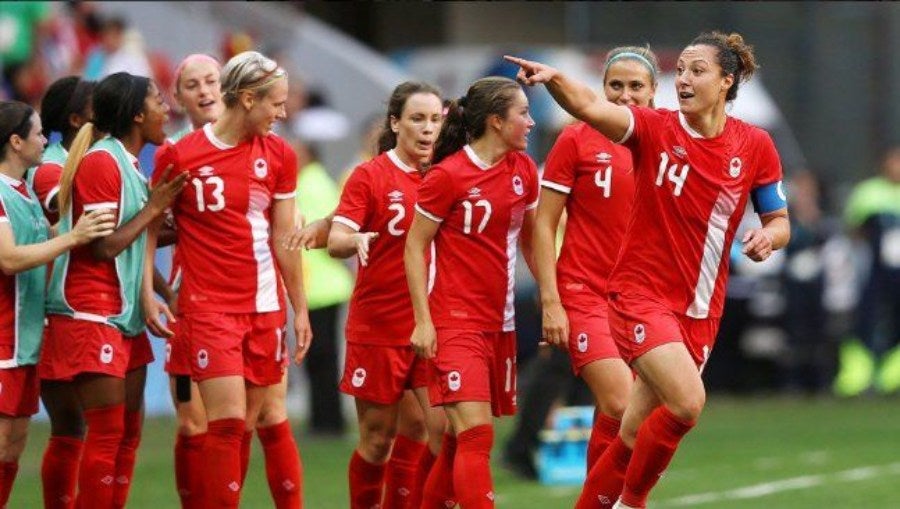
point(286, 180)
point(165, 155)
point(559, 169)
point(3, 218)
point(436, 195)
point(534, 190)
point(355, 207)
point(46, 184)
point(97, 183)
point(767, 192)
point(643, 121)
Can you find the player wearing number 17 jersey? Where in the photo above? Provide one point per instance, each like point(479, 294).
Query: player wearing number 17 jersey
point(695, 169)
point(475, 203)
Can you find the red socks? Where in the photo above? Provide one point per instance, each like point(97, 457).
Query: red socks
point(472, 468)
point(283, 468)
point(8, 470)
point(126, 457)
point(604, 481)
point(366, 481)
point(246, 442)
point(96, 476)
point(188, 458)
point(59, 472)
point(438, 492)
point(400, 473)
point(423, 468)
point(221, 478)
point(604, 431)
point(657, 440)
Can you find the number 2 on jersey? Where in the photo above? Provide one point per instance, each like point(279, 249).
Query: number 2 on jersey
point(217, 194)
point(675, 177)
point(392, 224)
point(469, 212)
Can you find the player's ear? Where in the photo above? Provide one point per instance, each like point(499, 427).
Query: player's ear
point(247, 99)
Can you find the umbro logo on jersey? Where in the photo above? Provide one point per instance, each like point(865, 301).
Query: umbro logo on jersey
point(395, 195)
point(474, 192)
point(206, 171)
point(604, 158)
point(260, 168)
point(734, 169)
point(679, 151)
point(518, 187)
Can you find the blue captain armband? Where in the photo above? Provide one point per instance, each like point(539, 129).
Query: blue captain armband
point(769, 198)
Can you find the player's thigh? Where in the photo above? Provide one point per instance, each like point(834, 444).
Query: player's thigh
point(224, 397)
point(672, 373)
point(411, 420)
point(610, 382)
point(465, 415)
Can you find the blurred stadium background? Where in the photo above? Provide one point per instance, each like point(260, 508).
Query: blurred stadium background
point(804, 413)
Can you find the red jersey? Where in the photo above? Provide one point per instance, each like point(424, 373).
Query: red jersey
point(691, 194)
point(481, 209)
point(91, 285)
point(379, 197)
point(598, 177)
point(8, 309)
point(46, 187)
point(223, 218)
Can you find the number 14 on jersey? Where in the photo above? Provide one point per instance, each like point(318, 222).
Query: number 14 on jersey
point(674, 175)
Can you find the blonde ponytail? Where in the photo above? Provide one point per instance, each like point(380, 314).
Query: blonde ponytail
point(82, 142)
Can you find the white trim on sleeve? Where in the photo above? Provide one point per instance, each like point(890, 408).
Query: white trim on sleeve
point(630, 130)
point(4, 219)
point(429, 215)
point(347, 222)
point(52, 194)
point(556, 187)
point(284, 196)
point(102, 205)
point(532, 206)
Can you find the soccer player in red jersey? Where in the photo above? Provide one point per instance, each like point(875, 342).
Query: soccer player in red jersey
point(93, 363)
point(371, 221)
point(25, 252)
point(592, 179)
point(476, 203)
point(231, 306)
point(695, 170)
point(64, 109)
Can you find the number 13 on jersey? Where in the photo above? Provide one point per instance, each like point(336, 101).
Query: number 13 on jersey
point(216, 186)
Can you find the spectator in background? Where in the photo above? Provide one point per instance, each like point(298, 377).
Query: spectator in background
point(328, 286)
point(20, 26)
point(120, 49)
point(873, 215)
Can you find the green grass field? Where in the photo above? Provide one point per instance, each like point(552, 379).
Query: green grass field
point(745, 453)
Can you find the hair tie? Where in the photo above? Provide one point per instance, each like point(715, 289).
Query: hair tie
point(461, 102)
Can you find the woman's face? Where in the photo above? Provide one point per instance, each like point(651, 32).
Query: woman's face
point(199, 92)
point(155, 116)
point(32, 147)
point(264, 110)
point(418, 127)
point(629, 83)
point(699, 83)
point(514, 128)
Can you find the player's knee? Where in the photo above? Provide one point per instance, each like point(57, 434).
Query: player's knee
point(690, 406)
point(69, 424)
point(613, 404)
point(376, 446)
point(414, 430)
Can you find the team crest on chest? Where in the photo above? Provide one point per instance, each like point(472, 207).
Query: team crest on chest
point(395, 196)
point(734, 168)
point(518, 187)
point(604, 158)
point(260, 168)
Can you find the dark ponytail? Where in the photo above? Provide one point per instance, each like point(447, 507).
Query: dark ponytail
point(735, 57)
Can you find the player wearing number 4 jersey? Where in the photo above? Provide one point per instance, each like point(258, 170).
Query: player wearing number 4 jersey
point(694, 170)
point(240, 194)
point(592, 178)
point(476, 203)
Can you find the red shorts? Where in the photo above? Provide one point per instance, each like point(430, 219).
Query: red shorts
point(382, 373)
point(474, 366)
point(589, 336)
point(251, 345)
point(178, 353)
point(639, 325)
point(75, 346)
point(19, 391)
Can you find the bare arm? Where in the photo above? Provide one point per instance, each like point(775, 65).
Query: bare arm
point(554, 323)
point(15, 259)
point(291, 265)
point(421, 233)
point(153, 308)
point(612, 120)
point(344, 242)
point(775, 233)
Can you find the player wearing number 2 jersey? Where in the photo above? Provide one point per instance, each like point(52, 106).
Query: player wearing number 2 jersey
point(593, 179)
point(476, 203)
point(240, 194)
point(694, 170)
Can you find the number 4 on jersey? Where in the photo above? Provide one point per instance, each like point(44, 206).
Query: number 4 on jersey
point(675, 177)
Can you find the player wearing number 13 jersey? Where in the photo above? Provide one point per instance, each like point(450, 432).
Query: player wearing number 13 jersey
point(695, 169)
point(474, 203)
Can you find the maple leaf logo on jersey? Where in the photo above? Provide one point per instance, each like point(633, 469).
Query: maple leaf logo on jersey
point(260, 168)
point(734, 169)
point(395, 195)
point(582, 342)
point(359, 377)
point(474, 192)
point(639, 333)
point(454, 380)
point(518, 187)
point(604, 158)
point(202, 359)
point(679, 151)
point(206, 171)
point(106, 353)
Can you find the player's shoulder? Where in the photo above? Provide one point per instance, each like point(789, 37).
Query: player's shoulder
point(521, 160)
point(748, 131)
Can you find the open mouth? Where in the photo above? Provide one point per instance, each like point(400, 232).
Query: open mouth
point(207, 104)
point(424, 145)
point(685, 95)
